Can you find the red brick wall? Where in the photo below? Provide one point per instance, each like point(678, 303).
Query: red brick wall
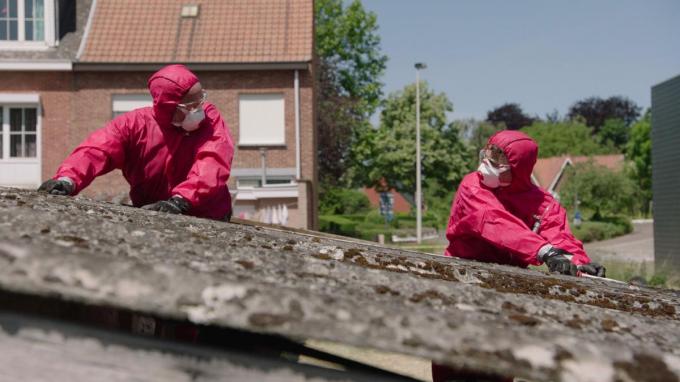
point(55, 98)
point(76, 104)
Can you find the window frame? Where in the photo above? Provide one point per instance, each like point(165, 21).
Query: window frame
point(281, 180)
point(49, 34)
point(6, 133)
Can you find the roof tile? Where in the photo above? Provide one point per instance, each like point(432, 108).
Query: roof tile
point(225, 31)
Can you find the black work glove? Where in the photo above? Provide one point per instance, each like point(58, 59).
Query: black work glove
point(558, 260)
point(174, 205)
point(595, 269)
point(56, 187)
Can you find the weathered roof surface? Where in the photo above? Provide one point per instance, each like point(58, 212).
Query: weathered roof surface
point(477, 316)
point(35, 349)
point(225, 31)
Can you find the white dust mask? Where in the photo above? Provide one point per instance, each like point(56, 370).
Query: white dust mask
point(491, 174)
point(193, 119)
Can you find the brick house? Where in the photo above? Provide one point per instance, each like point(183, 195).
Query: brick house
point(399, 202)
point(549, 173)
point(68, 67)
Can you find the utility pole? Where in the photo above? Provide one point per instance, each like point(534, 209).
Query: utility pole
point(419, 193)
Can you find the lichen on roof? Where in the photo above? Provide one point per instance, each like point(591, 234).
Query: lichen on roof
point(305, 285)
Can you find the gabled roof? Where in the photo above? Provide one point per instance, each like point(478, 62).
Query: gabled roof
point(400, 202)
point(548, 171)
point(224, 31)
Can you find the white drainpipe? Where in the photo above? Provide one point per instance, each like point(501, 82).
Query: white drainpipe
point(296, 85)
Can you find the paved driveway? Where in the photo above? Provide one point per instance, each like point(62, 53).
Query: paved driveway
point(637, 246)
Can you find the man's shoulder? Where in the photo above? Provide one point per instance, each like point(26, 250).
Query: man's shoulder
point(211, 111)
point(470, 180)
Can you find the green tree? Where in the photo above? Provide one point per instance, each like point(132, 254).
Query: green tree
point(596, 111)
point(598, 189)
point(614, 132)
point(349, 69)
point(389, 151)
point(343, 201)
point(348, 43)
point(568, 137)
point(476, 133)
point(509, 115)
point(639, 154)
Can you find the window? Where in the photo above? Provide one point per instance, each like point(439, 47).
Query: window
point(122, 103)
point(9, 22)
point(19, 138)
point(26, 21)
point(261, 120)
point(34, 24)
point(20, 123)
point(252, 182)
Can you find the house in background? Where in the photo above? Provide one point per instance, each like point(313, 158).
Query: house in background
point(399, 202)
point(549, 173)
point(665, 177)
point(68, 67)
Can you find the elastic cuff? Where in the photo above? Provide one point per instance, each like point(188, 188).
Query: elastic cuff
point(67, 180)
point(543, 251)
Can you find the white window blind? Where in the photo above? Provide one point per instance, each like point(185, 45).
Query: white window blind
point(261, 119)
point(122, 103)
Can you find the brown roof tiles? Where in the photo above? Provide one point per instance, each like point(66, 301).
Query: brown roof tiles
point(547, 170)
point(225, 31)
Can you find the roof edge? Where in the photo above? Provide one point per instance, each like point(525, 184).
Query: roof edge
point(126, 67)
point(86, 33)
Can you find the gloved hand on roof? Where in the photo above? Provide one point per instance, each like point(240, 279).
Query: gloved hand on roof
point(593, 268)
point(61, 186)
point(558, 260)
point(174, 205)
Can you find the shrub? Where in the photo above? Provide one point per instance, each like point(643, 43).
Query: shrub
point(601, 230)
point(598, 189)
point(342, 201)
point(338, 225)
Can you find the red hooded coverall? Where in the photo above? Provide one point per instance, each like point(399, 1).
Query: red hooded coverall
point(495, 225)
point(158, 159)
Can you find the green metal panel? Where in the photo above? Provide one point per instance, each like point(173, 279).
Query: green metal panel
point(666, 172)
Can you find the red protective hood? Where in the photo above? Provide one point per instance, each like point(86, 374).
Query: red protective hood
point(522, 152)
point(167, 87)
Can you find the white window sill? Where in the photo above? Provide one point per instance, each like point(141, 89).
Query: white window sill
point(256, 193)
point(26, 45)
point(20, 161)
point(269, 144)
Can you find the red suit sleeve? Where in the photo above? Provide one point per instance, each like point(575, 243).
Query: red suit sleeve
point(555, 229)
point(479, 213)
point(211, 169)
point(100, 153)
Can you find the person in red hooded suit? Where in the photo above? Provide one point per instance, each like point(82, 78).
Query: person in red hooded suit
point(500, 216)
point(176, 155)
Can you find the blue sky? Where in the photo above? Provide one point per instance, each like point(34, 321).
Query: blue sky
point(542, 54)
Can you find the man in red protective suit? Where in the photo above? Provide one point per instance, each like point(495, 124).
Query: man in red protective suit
point(176, 155)
point(500, 216)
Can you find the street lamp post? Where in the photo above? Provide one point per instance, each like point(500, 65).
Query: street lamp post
point(419, 194)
